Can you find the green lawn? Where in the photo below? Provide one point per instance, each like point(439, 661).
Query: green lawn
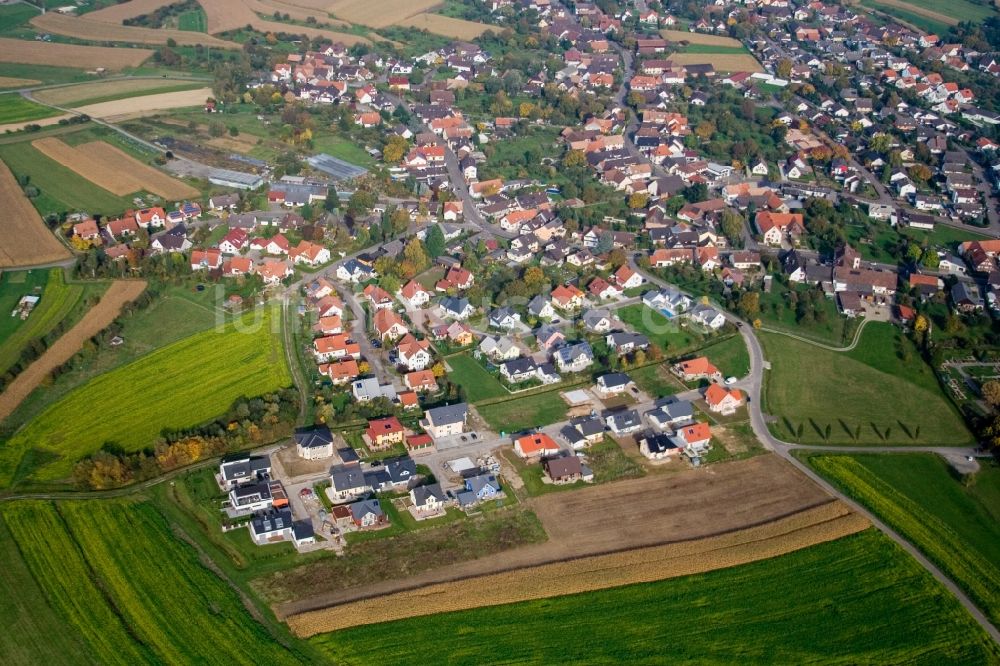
point(868, 396)
point(193, 20)
point(473, 378)
point(955, 522)
point(656, 380)
point(825, 324)
point(859, 599)
point(714, 48)
point(342, 148)
point(61, 189)
point(178, 386)
point(730, 356)
point(536, 409)
point(119, 587)
point(16, 109)
point(665, 333)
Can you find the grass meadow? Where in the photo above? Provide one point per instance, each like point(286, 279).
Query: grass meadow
point(859, 599)
point(16, 109)
point(955, 522)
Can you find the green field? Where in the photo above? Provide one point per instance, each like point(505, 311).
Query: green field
point(119, 587)
point(61, 189)
point(656, 380)
point(473, 378)
point(60, 302)
point(955, 523)
point(919, 21)
point(880, 393)
point(14, 16)
point(536, 409)
point(178, 386)
point(44, 73)
point(714, 48)
point(859, 599)
point(14, 285)
point(157, 90)
point(730, 356)
point(662, 332)
point(16, 109)
point(193, 20)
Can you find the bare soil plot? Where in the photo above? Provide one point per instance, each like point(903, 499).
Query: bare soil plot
point(722, 62)
point(650, 511)
point(41, 122)
point(223, 15)
point(445, 25)
point(97, 319)
point(83, 163)
point(237, 144)
point(84, 28)
point(71, 94)
point(150, 178)
point(12, 82)
point(807, 528)
point(70, 55)
point(698, 38)
point(117, 13)
point(25, 239)
point(146, 104)
point(381, 14)
point(299, 10)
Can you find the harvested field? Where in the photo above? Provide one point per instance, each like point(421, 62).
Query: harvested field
point(445, 25)
point(12, 82)
point(390, 12)
point(146, 104)
point(920, 11)
point(42, 122)
point(698, 38)
point(83, 28)
point(150, 178)
point(615, 516)
point(807, 528)
point(115, 14)
point(75, 94)
point(298, 10)
point(26, 241)
point(224, 15)
point(722, 62)
point(118, 294)
point(70, 55)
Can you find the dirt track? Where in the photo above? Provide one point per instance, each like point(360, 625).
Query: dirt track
point(25, 239)
point(118, 294)
point(654, 510)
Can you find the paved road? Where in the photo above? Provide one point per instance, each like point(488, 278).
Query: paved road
point(753, 384)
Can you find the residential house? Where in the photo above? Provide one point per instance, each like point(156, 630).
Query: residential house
point(536, 445)
point(314, 442)
point(697, 368)
point(383, 433)
point(445, 421)
point(575, 357)
point(723, 400)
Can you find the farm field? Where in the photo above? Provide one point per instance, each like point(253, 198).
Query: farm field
point(899, 615)
point(698, 38)
point(146, 104)
point(813, 391)
point(27, 240)
point(194, 20)
point(116, 13)
point(445, 26)
point(722, 62)
point(390, 11)
point(16, 109)
point(228, 15)
point(14, 82)
point(82, 27)
point(70, 55)
point(14, 16)
point(95, 320)
point(649, 511)
point(61, 190)
point(110, 90)
point(528, 411)
point(119, 587)
point(824, 523)
point(666, 334)
point(955, 523)
point(60, 302)
point(191, 381)
point(149, 178)
point(473, 378)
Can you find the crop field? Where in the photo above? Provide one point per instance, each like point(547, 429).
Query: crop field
point(27, 240)
point(528, 411)
point(193, 20)
point(824, 523)
point(82, 27)
point(473, 378)
point(61, 190)
point(445, 26)
point(96, 319)
point(225, 15)
point(15, 109)
point(119, 587)
point(387, 12)
point(146, 104)
point(14, 82)
point(654, 510)
point(825, 397)
point(698, 38)
point(722, 62)
point(70, 55)
point(115, 14)
point(108, 90)
point(59, 302)
point(183, 384)
point(298, 10)
point(956, 524)
point(802, 607)
point(113, 170)
point(943, 11)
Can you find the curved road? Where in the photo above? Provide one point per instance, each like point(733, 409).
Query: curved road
point(753, 385)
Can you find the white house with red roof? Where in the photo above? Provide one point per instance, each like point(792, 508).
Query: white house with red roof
point(234, 241)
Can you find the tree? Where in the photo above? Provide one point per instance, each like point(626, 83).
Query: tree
point(604, 243)
point(920, 172)
point(991, 393)
point(575, 158)
point(784, 68)
point(415, 254)
point(435, 243)
point(216, 129)
point(394, 150)
point(638, 200)
point(732, 226)
point(705, 130)
point(749, 304)
point(534, 277)
point(438, 369)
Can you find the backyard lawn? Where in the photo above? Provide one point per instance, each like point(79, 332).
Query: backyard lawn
point(473, 378)
point(665, 333)
point(536, 409)
point(876, 394)
point(730, 356)
point(656, 380)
